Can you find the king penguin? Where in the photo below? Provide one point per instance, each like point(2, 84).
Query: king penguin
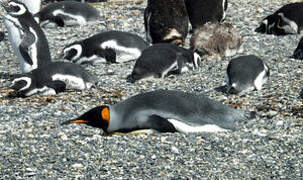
point(166, 21)
point(67, 13)
point(109, 46)
point(298, 53)
point(165, 111)
point(161, 59)
point(203, 11)
point(246, 73)
point(28, 40)
point(52, 79)
point(286, 20)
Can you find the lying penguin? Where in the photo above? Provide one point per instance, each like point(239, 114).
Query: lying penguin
point(161, 59)
point(28, 40)
point(286, 20)
point(202, 11)
point(165, 111)
point(246, 73)
point(216, 39)
point(67, 13)
point(166, 21)
point(298, 53)
point(52, 79)
point(110, 46)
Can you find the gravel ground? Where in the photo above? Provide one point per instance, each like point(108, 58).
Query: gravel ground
point(34, 145)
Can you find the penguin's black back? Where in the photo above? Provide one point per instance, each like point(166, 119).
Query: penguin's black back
point(72, 7)
point(245, 68)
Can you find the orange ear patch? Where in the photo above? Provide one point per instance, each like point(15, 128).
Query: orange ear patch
point(105, 114)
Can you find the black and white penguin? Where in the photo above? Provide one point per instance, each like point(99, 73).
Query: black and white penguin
point(161, 59)
point(52, 79)
point(203, 11)
point(28, 40)
point(298, 53)
point(246, 73)
point(166, 21)
point(110, 46)
point(67, 13)
point(286, 20)
point(216, 39)
point(1, 36)
point(165, 111)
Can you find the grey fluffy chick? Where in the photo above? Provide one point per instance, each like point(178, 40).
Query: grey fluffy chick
point(216, 39)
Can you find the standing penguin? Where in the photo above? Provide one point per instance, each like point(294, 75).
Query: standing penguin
point(166, 21)
point(52, 79)
point(286, 20)
point(110, 46)
point(203, 11)
point(246, 73)
point(162, 59)
point(28, 40)
point(165, 111)
point(67, 13)
point(298, 53)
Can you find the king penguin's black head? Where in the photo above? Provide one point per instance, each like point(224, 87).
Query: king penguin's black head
point(96, 117)
point(15, 8)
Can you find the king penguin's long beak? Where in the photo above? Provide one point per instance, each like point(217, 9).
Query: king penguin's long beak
point(74, 121)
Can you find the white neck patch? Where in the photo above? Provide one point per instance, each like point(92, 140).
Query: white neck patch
point(20, 12)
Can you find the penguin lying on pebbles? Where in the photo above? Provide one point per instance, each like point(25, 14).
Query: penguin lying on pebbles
point(166, 21)
point(165, 111)
point(52, 79)
point(28, 40)
point(246, 73)
point(110, 46)
point(161, 59)
point(215, 38)
point(67, 13)
point(298, 53)
point(286, 20)
point(202, 11)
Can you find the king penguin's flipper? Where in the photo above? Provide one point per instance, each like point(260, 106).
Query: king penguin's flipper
point(160, 124)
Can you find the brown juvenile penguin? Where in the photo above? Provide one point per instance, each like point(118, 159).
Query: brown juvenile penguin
point(166, 21)
point(216, 39)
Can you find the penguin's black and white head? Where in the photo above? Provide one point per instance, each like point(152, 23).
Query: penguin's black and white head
point(72, 52)
point(97, 117)
point(24, 85)
point(15, 8)
point(272, 24)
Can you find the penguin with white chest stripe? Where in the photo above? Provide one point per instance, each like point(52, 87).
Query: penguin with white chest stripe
point(246, 73)
point(67, 13)
point(203, 11)
point(161, 59)
point(28, 40)
point(286, 20)
point(110, 46)
point(52, 79)
point(166, 21)
point(165, 111)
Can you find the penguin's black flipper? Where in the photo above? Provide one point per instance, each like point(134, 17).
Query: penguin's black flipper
point(57, 85)
point(27, 41)
point(160, 124)
point(109, 54)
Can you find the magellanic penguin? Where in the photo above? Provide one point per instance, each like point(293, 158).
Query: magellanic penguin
point(298, 53)
point(166, 21)
point(67, 13)
point(286, 20)
point(216, 39)
point(52, 79)
point(161, 59)
point(110, 46)
point(28, 40)
point(246, 73)
point(203, 11)
point(165, 111)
